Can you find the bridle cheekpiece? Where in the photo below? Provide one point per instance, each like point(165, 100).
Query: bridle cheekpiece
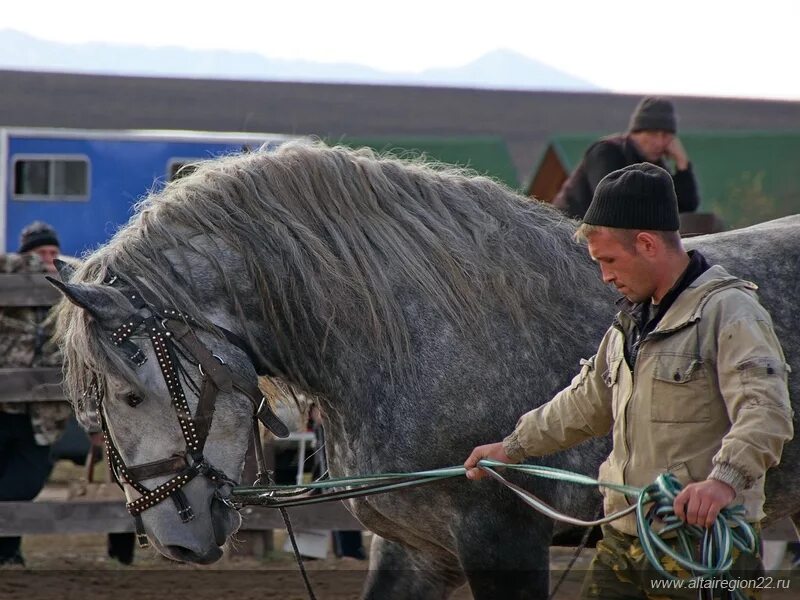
point(170, 331)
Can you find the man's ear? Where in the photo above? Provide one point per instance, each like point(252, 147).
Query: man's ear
point(646, 243)
point(96, 299)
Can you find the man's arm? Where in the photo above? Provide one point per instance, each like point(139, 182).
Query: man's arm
point(576, 413)
point(601, 159)
point(686, 190)
point(752, 374)
point(683, 179)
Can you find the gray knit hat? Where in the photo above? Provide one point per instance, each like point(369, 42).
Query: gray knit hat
point(654, 113)
point(640, 196)
point(37, 234)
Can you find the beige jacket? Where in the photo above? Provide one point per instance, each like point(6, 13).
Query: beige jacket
point(708, 398)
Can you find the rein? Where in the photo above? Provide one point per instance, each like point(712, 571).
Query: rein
point(653, 505)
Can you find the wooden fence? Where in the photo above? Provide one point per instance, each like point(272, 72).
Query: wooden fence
point(110, 516)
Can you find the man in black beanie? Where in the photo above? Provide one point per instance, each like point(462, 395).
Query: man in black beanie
point(41, 239)
point(28, 430)
point(690, 379)
point(651, 137)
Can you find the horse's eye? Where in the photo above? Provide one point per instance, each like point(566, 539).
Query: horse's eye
point(134, 400)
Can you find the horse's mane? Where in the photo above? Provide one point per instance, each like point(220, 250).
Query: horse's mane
point(328, 236)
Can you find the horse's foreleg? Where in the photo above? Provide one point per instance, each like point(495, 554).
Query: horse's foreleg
point(505, 557)
point(398, 572)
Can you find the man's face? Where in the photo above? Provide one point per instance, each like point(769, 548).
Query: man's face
point(621, 265)
point(653, 144)
point(48, 254)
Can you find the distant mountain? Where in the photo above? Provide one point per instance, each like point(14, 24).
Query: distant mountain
point(501, 69)
point(507, 70)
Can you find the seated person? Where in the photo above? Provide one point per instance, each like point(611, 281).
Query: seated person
point(652, 138)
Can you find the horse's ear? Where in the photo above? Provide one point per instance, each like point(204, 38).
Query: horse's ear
point(93, 298)
point(65, 270)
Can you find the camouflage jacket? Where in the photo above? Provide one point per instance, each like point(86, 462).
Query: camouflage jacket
point(25, 341)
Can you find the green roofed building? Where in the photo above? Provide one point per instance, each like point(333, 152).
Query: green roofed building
point(485, 155)
point(745, 177)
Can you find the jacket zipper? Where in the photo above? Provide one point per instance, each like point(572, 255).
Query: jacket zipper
point(627, 400)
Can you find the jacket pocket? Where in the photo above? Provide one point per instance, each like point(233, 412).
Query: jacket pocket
point(756, 368)
point(681, 473)
point(681, 391)
point(763, 380)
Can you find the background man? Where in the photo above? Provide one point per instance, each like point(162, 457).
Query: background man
point(41, 239)
point(651, 137)
point(27, 431)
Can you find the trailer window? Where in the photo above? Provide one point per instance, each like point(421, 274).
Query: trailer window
point(51, 178)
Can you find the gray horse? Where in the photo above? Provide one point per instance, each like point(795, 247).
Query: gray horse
point(424, 308)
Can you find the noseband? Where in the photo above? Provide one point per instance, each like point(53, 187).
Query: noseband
point(170, 331)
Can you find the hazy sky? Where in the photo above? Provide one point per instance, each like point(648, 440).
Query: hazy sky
point(697, 47)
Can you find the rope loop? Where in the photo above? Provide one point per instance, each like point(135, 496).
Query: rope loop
point(704, 552)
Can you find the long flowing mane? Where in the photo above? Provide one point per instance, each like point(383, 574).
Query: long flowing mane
point(327, 236)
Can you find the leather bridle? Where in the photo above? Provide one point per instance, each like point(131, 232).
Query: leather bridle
point(170, 331)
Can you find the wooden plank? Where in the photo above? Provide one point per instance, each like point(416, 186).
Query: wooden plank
point(27, 289)
point(67, 517)
point(331, 515)
point(17, 518)
point(33, 384)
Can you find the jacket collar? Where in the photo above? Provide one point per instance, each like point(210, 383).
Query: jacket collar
point(688, 306)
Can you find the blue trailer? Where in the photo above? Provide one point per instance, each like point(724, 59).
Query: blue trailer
point(85, 182)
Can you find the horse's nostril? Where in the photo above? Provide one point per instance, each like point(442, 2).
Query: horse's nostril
point(183, 554)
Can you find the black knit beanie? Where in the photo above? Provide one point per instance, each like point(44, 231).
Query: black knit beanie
point(640, 196)
point(654, 113)
point(37, 234)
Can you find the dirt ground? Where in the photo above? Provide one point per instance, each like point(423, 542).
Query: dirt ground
point(76, 567)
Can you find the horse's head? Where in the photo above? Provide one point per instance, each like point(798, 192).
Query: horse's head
point(176, 403)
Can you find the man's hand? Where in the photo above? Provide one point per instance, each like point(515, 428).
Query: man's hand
point(700, 503)
point(493, 451)
point(677, 152)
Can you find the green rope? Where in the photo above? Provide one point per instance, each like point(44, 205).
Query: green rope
point(653, 504)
